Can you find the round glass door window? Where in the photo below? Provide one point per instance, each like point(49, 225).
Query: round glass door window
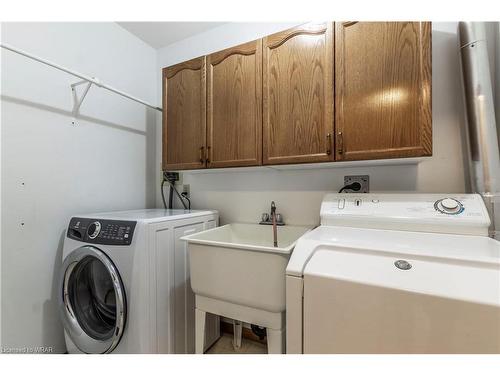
point(93, 301)
point(92, 294)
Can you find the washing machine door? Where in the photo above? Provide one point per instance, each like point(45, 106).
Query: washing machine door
point(92, 300)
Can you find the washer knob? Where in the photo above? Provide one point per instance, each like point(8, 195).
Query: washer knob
point(94, 229)
point(449, 206)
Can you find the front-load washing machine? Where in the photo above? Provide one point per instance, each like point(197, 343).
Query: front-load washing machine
point(124, 285)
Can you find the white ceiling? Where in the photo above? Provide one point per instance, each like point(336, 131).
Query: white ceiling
point(161, 34)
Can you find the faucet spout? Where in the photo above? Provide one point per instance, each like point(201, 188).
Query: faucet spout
point(275, 229)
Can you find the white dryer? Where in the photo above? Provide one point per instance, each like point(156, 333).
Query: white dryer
point(395, 273)
point(124, 285)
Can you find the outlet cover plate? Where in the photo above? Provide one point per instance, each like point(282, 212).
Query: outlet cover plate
point(186, 189)
point(175, 176)
point(364, 180)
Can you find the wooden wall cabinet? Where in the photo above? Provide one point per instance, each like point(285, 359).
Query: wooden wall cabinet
point(184, 115)
point(234, 106)
point(298, 95)
point(273, 101)
point(383, 90)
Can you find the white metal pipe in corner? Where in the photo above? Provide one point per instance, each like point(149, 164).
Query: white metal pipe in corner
point(93, 80)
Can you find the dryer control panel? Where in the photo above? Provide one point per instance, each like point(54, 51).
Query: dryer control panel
point(436, 213)
point(101, 231)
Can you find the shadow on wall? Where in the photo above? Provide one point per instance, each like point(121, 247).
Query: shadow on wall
point(382, 178)
point(150, 166)
point(447, 88)
point(69, 114)
point(52, 329)
point(244, 196)
point(149, 133)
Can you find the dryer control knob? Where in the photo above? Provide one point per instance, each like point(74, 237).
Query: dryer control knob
point(449, 206)
point(94, 229)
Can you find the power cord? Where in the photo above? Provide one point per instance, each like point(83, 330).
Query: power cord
point(355, 186)
point(173, 189)
point(163, 193)
point(185, 196)
point(172, 186)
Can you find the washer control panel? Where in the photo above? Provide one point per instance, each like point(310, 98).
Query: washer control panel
point(101, 232)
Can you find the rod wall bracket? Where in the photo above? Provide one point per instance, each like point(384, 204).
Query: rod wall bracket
point(78, 99)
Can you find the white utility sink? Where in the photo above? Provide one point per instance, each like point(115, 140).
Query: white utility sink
point(250, 237)
point(237, 272)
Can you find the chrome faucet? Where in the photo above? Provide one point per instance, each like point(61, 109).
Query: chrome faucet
point(268, 220)
point(275, 219)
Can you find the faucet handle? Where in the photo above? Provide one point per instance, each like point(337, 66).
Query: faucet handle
point(265, 217)
point(279, 218)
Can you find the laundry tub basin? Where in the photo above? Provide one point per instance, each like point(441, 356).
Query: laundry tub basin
point(238, 263)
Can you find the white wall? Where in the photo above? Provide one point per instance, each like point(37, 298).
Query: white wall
point(52, 170)
point(243, 196)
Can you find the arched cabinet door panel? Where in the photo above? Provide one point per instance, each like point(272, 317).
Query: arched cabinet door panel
point(184, 115)
point(298, 95)
point(234, 106)
point(383, 90)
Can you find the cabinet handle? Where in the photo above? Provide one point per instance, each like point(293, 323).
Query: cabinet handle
point(208, 155)
point(201, 154)
point(328, 144)
point(340, 143)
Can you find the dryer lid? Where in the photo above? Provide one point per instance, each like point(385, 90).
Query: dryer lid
point(398, 243)
point(455, 279)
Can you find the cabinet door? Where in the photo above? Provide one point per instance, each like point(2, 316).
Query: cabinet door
point(184, 118)
point(234, 110)
point(298, 95)
point(383, 90)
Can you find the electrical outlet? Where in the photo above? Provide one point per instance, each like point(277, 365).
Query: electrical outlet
point(171, 176)
point(363, 180)
point(185, 190)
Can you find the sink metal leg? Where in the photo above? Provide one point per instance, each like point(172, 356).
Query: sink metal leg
point(275, 341)
point(200, 320)
point(237, 329)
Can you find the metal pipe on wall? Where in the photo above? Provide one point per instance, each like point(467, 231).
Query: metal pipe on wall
point(484, 155)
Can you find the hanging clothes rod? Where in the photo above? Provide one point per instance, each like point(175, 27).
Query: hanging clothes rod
point(90, 80)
